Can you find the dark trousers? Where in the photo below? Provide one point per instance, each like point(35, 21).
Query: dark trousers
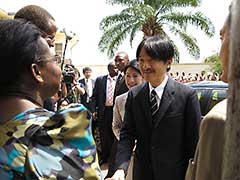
point(111, 161)
point(106, 133)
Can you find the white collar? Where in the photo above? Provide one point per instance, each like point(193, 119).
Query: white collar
point(159, 89)
point(113, 78)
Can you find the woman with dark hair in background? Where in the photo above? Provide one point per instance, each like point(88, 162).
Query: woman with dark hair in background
point(36, 143)
point(132, 77)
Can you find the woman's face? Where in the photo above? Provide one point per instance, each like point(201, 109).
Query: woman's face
point(133, 77)
point(49, 69)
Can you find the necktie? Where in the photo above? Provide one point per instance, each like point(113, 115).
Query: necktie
point(110, 92)
point(154, 105)
point(87, 90)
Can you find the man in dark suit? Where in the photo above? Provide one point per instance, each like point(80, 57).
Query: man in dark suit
point(161, 115)
point(88, 84)
point(121, 60)
point(102, 102)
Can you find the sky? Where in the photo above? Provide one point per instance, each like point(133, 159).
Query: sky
point(83, 18)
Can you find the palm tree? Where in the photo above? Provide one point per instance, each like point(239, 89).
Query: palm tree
point(154, 17)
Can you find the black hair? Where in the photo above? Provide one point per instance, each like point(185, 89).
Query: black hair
point(110, 65)
point(19, 45)
point(157, 48)
point(37, 15)
point(86, 69)
point(133, 64)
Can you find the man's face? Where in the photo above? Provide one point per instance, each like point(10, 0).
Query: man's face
point(121, 61)
point(153, 71)
point(224, 51)
point(113, 71)
point(87, 74)
point(50, 35)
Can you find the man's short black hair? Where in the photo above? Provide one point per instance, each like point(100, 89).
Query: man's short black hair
point(157, 48)
point(35, 14)
point(86, 69)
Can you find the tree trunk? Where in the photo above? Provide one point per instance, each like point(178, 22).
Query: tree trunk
point(231, 157)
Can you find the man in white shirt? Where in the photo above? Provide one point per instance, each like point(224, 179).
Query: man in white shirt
point(102, 102)
point(88, 84)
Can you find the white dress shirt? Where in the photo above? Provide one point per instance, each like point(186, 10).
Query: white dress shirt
point(159, 89)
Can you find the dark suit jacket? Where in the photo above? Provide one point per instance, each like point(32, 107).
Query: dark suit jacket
point(163, 148)
point(122, 88)
point(84, 96)
point(99, 96)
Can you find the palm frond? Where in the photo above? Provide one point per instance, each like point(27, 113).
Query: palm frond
point(117, 41)
point(182, 20)
point(112, 36)
point(124, 2)
point(139, 13)
point(135, 29)
point(189, 42)
point(110, 21)
point(167, 5)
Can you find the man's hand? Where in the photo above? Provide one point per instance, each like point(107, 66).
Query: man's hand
point(94, 114)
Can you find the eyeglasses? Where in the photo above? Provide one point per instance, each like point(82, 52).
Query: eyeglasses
point(56, 59)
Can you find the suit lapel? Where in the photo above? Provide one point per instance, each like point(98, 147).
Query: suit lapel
point(104, 85)
point(144, 104)
point(166, 100)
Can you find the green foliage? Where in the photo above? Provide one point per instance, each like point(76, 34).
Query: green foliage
point(215, 63)
point(153, 17)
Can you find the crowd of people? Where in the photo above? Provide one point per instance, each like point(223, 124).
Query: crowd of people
point(194, 77)
point(139, 118)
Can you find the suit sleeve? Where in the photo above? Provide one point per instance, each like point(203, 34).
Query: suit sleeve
point(208, 162)
point(127, 136)
point(117, 119)
point(192, 121)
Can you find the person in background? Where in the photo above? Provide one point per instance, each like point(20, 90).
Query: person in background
point(121, 60)
point(102, 100)
point(36, 143)
point(161, 116)
point(78, 90)
point(208, 159)
point(45, 21)
point(133, 77)
point(73, 87)
point(88, 84)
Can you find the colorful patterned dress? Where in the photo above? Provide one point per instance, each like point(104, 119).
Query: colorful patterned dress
point(42, 145)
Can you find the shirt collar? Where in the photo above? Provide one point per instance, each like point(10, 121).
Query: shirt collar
point(159, 89)
point(113, 78)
